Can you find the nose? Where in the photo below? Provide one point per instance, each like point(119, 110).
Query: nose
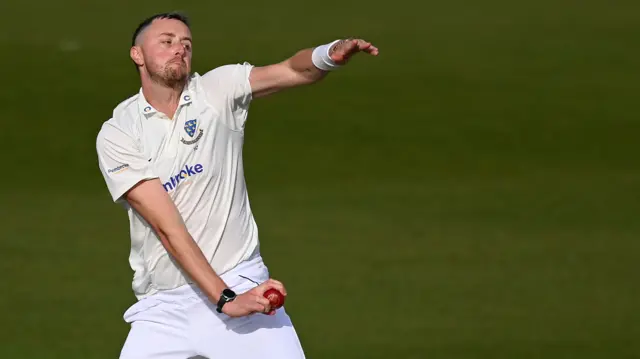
point(180, 50)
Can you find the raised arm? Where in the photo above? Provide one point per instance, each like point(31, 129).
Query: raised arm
point(306, 66)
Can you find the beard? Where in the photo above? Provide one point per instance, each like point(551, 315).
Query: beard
point(173, 74)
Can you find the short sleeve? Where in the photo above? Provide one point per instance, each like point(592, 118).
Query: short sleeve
point(121, 162)
point(229, 90)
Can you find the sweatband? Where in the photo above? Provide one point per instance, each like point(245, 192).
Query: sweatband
point(321, 59)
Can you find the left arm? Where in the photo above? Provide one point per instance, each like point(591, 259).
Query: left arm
point(306, 66)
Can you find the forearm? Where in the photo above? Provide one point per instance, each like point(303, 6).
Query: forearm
point(150, 200)
point(306, 66)
point(190, 258)
point(297, 70)
point(301, 63)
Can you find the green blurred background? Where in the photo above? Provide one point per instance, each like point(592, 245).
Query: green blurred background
point(473, 192)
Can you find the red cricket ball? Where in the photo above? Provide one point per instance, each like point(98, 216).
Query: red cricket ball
point(275, 297)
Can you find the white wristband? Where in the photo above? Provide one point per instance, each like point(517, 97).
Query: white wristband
point(321, 59)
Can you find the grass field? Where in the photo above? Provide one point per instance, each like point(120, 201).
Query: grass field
point(473, 192)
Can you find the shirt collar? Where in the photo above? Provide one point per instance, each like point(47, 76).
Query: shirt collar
point(148, 111)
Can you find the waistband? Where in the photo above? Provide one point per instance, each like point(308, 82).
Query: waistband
point(253, 268)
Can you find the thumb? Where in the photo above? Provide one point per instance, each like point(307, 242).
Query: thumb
point(263, 287)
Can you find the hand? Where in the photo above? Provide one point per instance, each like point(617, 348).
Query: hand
point(341, 51)
point(253, 301)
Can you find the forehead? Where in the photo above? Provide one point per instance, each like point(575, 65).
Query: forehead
point(161, 26)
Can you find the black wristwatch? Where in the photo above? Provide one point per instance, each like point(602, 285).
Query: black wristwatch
point(227, 296)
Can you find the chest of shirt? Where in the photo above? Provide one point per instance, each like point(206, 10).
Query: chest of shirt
point(191, 147)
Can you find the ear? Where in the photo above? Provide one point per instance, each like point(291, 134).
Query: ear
point(136, 55)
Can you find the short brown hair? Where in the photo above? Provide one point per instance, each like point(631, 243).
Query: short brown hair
point(167, 15)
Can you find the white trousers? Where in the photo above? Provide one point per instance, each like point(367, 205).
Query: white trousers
point(182, 323)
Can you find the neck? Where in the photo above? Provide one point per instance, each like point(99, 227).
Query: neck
point(163, 98)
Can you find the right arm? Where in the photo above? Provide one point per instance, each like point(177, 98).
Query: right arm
point(129, 177)
point(152, 202)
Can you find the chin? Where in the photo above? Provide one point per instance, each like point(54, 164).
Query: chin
point(175, 78)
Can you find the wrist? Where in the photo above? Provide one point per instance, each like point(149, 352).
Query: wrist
point(226, 296)
point(321, 57)
point(214, 288)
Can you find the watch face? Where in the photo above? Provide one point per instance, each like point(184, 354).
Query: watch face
point(229, 293)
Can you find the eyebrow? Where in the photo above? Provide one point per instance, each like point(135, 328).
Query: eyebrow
point(171, 34)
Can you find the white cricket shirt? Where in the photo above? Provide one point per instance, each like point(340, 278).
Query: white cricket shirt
point(198, 157)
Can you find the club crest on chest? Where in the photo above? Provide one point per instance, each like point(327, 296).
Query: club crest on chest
point(192, 130)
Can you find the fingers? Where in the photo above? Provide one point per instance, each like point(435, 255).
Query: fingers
point(347, 48)
point(268, 284)
point(277, 285)
point(255, 304)
point(367, 47)
point(263, 304)
point(250, 302)
point(258, 294)
point(254, 301)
